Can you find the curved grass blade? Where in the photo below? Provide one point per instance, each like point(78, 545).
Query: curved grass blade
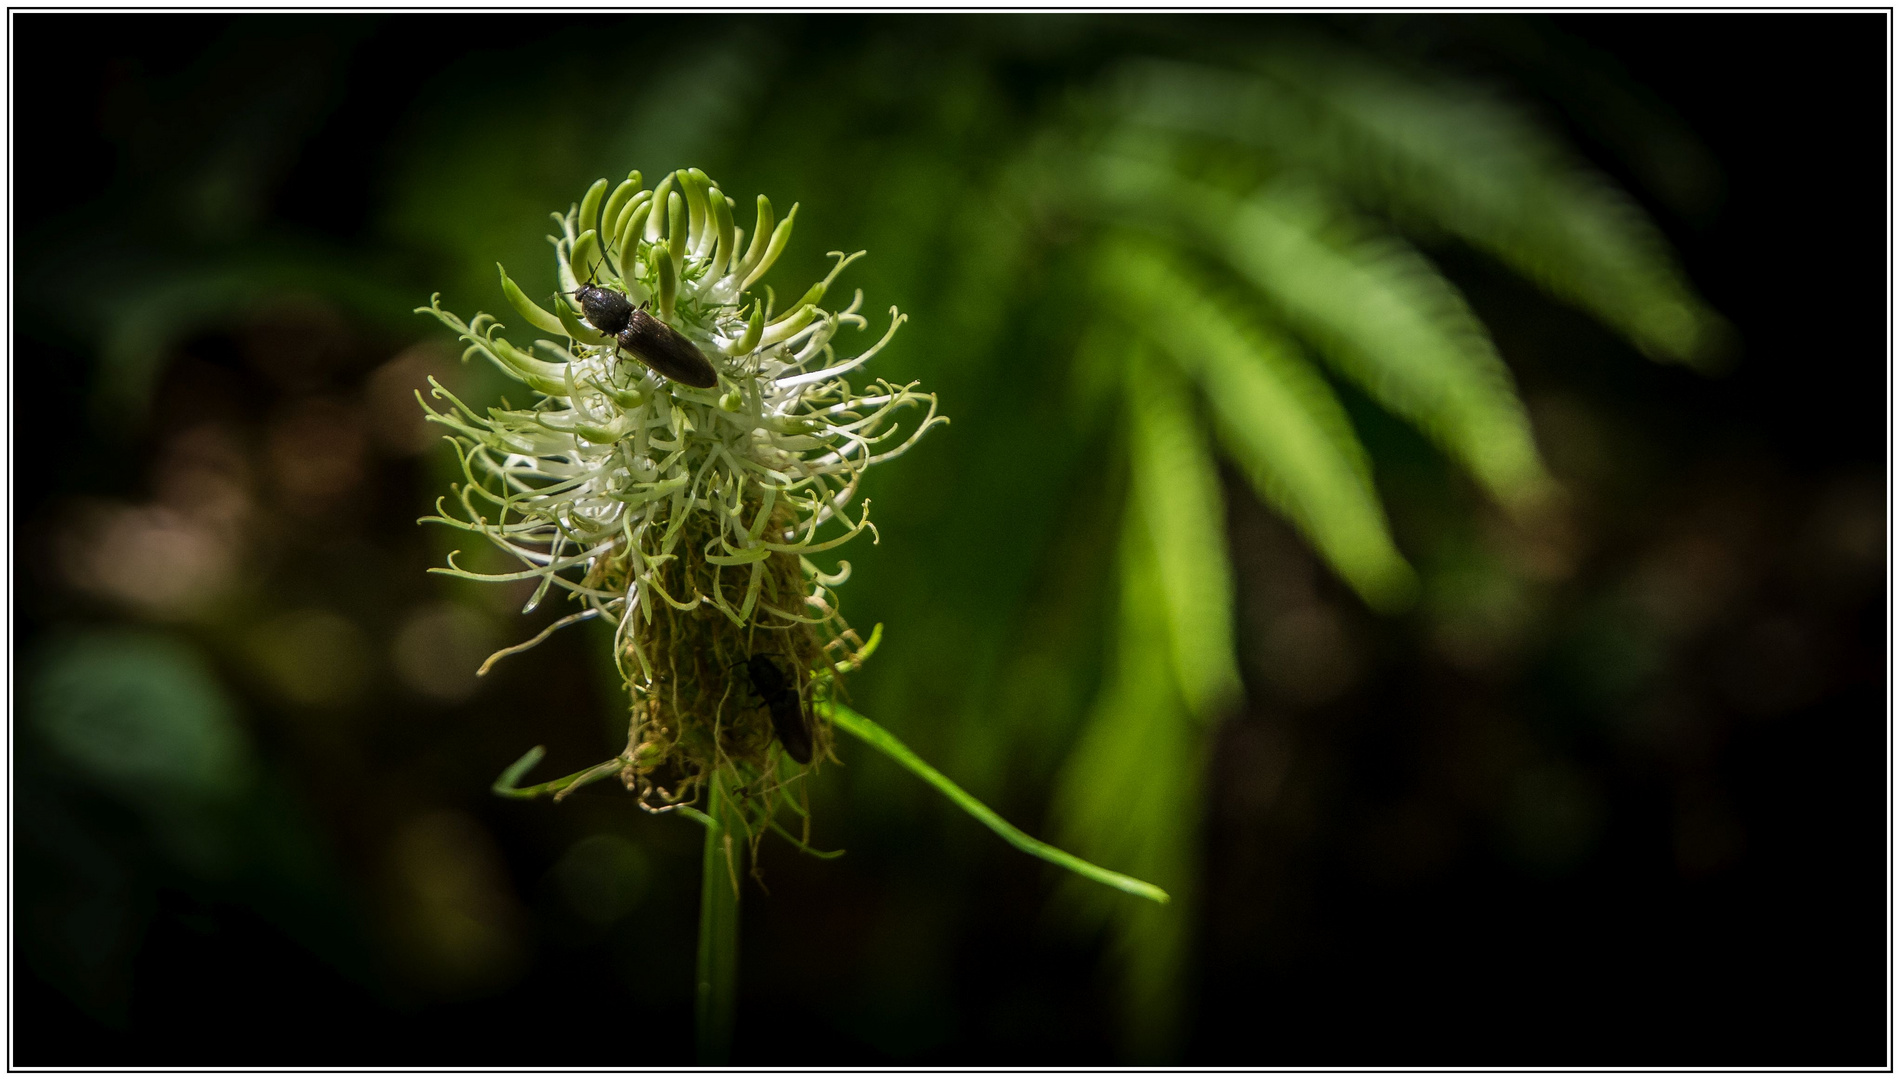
point(882, 740)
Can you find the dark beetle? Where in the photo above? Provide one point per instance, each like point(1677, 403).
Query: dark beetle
point(654, 343)
point(665, 349)
point(788, 711)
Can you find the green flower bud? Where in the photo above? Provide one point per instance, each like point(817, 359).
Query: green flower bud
point(656, 219)
point(781, 236)
point(616, 202)
point(761, 236)
point(572, 325)
point(633, 218)
point(590, 206)
point(537, 316)
point(586, 263)
point(669, 278)
point(677, 230)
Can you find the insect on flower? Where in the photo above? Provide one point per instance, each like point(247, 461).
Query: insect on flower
point(654, 343)
point(689, 521)
point(605, 308)
point(786, 705)
point(665, 350)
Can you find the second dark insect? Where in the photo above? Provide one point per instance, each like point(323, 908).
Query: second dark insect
point(782, 699)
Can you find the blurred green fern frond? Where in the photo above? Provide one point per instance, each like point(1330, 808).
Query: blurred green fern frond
point(1176, 505)
point(1249, 219)
point(1443, 156)
point(1273, 412)
point(1132, 787)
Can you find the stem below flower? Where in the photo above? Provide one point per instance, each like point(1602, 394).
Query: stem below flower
point(718, 982)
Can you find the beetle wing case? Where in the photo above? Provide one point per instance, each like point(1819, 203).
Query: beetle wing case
point(666, 351)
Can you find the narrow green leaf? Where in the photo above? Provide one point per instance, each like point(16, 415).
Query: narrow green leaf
point(1176, 492)
point(716, 986)
point(863, 728)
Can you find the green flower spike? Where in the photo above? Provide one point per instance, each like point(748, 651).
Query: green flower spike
point(687, 517)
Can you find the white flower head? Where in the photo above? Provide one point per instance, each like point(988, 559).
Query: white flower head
point(685, 516)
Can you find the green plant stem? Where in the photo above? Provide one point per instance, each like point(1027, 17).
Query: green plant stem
point(870, 732)
point(717, 988)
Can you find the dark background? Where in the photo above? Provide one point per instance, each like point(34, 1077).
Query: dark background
point(1705, 677)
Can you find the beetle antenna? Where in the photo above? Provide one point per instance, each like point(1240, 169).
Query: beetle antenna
point(600, 233)
point(593, 279)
